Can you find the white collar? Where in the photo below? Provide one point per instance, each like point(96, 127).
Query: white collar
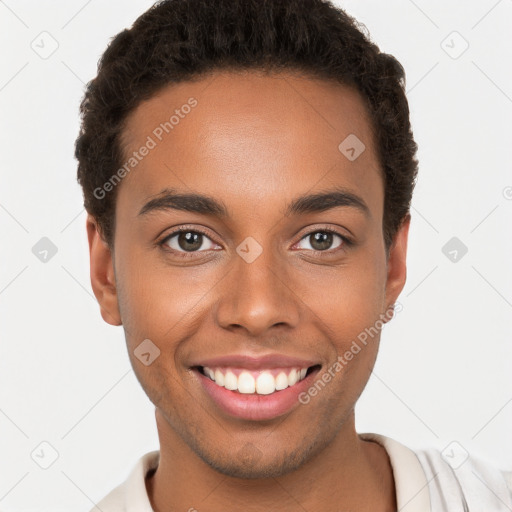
point(411, 485)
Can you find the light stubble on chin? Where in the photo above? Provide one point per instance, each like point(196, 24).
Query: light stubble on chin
point(251, 461)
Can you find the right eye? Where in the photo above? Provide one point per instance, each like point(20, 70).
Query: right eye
point(185, 242)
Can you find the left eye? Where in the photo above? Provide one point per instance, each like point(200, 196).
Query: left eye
point(322, 240)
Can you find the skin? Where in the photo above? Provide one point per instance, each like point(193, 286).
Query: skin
point(254, 142)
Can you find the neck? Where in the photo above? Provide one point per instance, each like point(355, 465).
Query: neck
point(349, 474)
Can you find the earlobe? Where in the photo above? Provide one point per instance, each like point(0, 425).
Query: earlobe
point(397, 264)
point(102, 274)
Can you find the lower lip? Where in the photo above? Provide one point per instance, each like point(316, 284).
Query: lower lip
point(253, 406)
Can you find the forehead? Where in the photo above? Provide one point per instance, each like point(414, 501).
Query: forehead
point(251, 135)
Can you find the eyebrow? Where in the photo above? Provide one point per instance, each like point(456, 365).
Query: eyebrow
point(206, 205)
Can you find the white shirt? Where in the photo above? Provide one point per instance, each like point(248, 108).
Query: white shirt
point(424, 482)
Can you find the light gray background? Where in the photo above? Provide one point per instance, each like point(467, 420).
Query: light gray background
point(443, 372)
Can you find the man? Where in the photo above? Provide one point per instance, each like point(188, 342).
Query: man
point(247, 169)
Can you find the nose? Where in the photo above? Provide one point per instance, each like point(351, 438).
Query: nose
point(258, 295)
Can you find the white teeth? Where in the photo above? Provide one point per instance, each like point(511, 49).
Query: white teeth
point(281, 381)
point(264, 384)
point(219, 377)
point(246, 383)
point(230, 381)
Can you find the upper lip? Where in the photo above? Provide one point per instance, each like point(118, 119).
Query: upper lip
point(250, 362)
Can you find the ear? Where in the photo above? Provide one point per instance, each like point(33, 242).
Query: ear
point(396, 264)
point(102, 274)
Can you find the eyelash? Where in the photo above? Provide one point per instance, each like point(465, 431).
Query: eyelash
point(347, 242)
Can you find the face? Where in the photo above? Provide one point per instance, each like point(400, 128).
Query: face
point(250, 283)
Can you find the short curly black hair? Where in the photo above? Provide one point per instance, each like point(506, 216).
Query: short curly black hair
point(179, 40)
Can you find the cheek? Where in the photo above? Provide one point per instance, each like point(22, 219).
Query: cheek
point(158, 301)
point(350, 298)
point(348, 305)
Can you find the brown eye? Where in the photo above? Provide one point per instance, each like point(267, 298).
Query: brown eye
point(187, 241)
point(323, 240)
point(190, 241)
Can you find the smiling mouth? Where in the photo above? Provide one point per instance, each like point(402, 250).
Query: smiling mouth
point(260, 382)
